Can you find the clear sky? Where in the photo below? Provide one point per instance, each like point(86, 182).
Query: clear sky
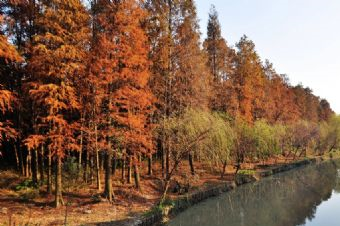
point(300, 37)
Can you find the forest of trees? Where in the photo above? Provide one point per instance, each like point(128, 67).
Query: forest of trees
point(114, 84)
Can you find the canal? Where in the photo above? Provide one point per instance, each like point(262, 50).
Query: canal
point(307, 196)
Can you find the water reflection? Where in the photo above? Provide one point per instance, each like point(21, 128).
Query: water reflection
point(288, 199)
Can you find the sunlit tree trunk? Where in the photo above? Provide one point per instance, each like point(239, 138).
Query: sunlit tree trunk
point(97, 159)
point(81, 150)
point(136, 173)
point(22, 168)
point(108, 180)
point(28, 164)
point(58, 184)
point(49, 172)
point(41, 165)
point(150, 165)
point(16, 157)
point(129, 170)
point(114, 164)
point(35, 167)
point(123, 169)
point(91, 169)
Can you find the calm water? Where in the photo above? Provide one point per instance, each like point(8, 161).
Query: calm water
point(307, 196)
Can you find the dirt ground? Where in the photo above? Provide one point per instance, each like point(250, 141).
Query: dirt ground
point(84, 205)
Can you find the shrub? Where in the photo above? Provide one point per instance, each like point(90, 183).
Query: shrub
point(24, 185)
point(71, 173)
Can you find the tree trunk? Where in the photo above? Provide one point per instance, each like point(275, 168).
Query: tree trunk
point(129, 170)
point(165, 191)
point(86, 171)
point(22, 168)
point(223, 169)
point(123, 170)
point(28, 164)
point(58, 185)
point(150, 165)
point(167, 162)
point(108, 180)
point(163, 162)
point(25, 162)
point(35, 167)
point(80, 151)
point(91, 169)
point(191, 163)
point(114, 165)
point(136, 174)
point(97, 159)
point(99, 187)
point(167, 181)
point(295, 153)
point(238, 167)
point(102, 161)
point(49, 173)
point(41, 165)
point(169, 86)
point(160, 154)
point(16, 157)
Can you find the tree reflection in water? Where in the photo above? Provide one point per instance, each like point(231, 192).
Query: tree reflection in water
point(286, 199)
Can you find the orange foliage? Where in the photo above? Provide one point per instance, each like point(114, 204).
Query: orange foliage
point(132, 105)
point(8, 99)
point(57, 60)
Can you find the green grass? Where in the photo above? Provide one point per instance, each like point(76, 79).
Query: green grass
point(168, 203)
point(246, 172)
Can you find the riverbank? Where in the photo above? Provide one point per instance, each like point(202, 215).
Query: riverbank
point(160, 215)
point(131, 207)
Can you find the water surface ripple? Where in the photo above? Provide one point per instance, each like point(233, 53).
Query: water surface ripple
point(307, 196)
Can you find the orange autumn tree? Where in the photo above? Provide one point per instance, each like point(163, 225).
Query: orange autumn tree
point(180, 78)
point(20, 27)
point(249, 81)
point(95, 86)
point(102, 72)
point(280, 106)
point(221, 59)
point(8, 58)
point(132, 99)
point(161, 25)
point(192, 79)
point(58, 53)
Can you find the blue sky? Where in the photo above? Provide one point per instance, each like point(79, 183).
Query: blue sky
point(300, 37)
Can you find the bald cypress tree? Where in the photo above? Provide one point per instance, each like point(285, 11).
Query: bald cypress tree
point(193, 80)
point(131, 100)
point(279, 97)
point(57, 61)
point(216, 47)
point(192, 77)
point(221, 60)
point(249, 81)
point(180, 78)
